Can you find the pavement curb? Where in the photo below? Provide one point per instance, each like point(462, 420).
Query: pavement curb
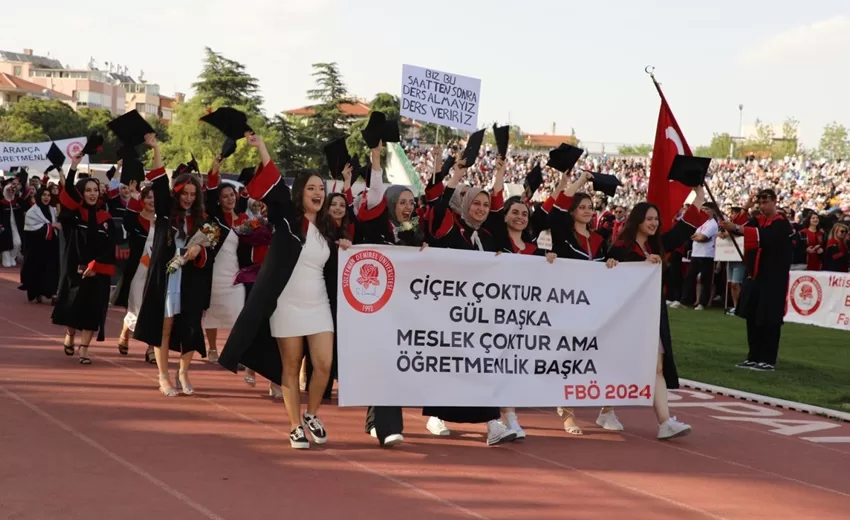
point(763, 399)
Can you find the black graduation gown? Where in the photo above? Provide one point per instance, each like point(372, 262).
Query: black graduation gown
point(836, 257)
point(136, 228)
point(40, 272)
point(187, 332)
point(250, 342)
point(452, 233)
point(672, 239)
point(82, 303)
point(769, 252)
point(566, 243)
point(7, 208)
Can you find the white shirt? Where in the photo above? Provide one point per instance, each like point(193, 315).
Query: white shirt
point(705, 249)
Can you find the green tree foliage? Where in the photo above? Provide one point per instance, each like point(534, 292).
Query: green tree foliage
point(224, 82)
point(639, 149)
point(834, 142)
point(718, 149)
point(328, 121)
point(292, 152)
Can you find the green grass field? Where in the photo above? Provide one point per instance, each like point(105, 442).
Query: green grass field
point(813, 366)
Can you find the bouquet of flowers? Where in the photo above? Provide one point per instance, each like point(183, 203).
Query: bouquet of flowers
point(255, 232)
point(207, 236)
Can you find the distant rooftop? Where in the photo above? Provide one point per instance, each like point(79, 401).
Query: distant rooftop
point(39, 61)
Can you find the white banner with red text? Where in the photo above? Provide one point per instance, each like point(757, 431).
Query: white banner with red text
point(445, 327)
point(34, 155)
point(819, 298)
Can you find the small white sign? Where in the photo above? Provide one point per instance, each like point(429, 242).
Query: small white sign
point(439, 97)
point(724, 249)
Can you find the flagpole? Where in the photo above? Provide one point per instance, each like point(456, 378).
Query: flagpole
point(650, 70)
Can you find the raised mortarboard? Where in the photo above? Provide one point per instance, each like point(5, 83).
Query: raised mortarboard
point(444, 169)
point(132, 168)
point(227, 148)
point(131, 128)
point(22, 174)
point(193, 165)
point(229, 121)
point(564, 157)
point(55, 156)
point(246, 175)
point(94, 144)
point(336, 152)
point(533, 180)
point(689, 170)
point(606, 184)
point(373, 133)
point(110, 173)
point(391, 133)
point(181, 169)
point(473, 146)
point(502, 135)
point(355, 165)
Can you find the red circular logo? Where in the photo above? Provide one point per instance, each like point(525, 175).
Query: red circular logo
point(368, 279)
point(74, 148)
point(806, 295)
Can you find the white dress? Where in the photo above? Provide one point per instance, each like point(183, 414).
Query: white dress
point(137, 285)
point(303, 307)
point(227, 300)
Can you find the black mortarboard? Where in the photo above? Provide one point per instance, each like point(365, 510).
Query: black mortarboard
point(373, 133)
point(55, 156)
point(564, 157)
point(444, 169)
point(229, 121)
point(23, 175)
point(533, 180)
point(227, 148)
point(110, 173)
point(94, 144)
point(131, 128)
point(181, 169)
point(246, 175)
point(502, 135)
point(355, 165)
point(391, 133)
point(336, 152)
point(193, 165)
point(473, 146)
point(132, 168)
point(689, 170)
point(606, 184)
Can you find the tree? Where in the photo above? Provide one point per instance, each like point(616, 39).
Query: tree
point(224, 82)
point(639, 149)
point(328, 121)
point(834, 143)
point(719, 148)
point(761, 143)
point(53, 119)
point(294, 141)
point(787, 144)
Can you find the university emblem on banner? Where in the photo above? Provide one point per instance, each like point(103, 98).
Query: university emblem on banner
point(368, 279)
point(806, 295)
point(74, 149)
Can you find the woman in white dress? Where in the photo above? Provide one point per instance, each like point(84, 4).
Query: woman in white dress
point(293, 297)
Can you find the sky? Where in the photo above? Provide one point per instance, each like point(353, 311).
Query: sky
point(579, 65)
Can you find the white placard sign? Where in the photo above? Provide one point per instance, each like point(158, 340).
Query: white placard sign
point(724, 249)
point(466, 328)
point(440, 97)
point(34, 155)
point(819, 298)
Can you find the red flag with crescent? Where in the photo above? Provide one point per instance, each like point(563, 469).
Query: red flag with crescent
point(668, 195)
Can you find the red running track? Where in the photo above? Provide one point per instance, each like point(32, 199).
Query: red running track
point(100, 441)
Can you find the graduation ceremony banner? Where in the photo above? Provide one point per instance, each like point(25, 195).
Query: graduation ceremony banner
point(819, 298)
point(439, 97)
point(465, 328)
point(34, 155)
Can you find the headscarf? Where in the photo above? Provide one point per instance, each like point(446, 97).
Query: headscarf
point(9, 192)
point(466, 204)
point(45, 208)
point(39, 215)
point(411, 236)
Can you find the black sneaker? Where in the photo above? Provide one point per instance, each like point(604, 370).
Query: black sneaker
point(317, 429)
point(764, 367)
point(298, 439)
point(747, 364)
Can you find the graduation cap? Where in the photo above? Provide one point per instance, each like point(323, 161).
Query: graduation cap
point(94, 144)
point(246, 175)
point(228, 148)
point(445, 169)
point(229, 121)
point(131, 128)
point(56, 157)
point(533, 180)
point(336, 152)
point(355, 164)
point(502, 135)
point(606, 184)
point(379, 128)
point(132, 168)
point(110, 173)
point(473, 146)
point(689, 170)
point(564, 157)
point(181, 169)
point(193, 165)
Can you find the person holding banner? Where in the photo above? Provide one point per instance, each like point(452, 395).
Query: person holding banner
point(836, 258)
point(641, 240)
point(469, 231)
point(290, 300)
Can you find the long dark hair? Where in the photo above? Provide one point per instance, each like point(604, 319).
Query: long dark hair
point(628, 235)
point(578, 198)
point(196, 212)
point(324, 223)
point(342, 230)
point(526, 233)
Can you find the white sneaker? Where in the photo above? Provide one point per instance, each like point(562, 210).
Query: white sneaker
point(391, 440)
point(699, 308)
point(513, 425)
point(437, 427)
point(609, 421)
point(675, 305)
point(672, 428)
point(497, 433)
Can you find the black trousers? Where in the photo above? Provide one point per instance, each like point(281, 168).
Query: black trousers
point(674, 278)
point(387, 420)
point(704, 267)
point(763, 341)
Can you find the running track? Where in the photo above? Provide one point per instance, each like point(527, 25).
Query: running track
point(82, 442)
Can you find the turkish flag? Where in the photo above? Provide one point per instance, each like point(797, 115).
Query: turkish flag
point(668, 195)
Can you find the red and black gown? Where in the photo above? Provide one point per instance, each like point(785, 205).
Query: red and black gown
point(812, 239)
point(835, 257)
point(90, 238)
point(566, 243)
point(136, 229)
point(692, 219)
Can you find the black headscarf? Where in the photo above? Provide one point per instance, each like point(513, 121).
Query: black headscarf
point(45, 208)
